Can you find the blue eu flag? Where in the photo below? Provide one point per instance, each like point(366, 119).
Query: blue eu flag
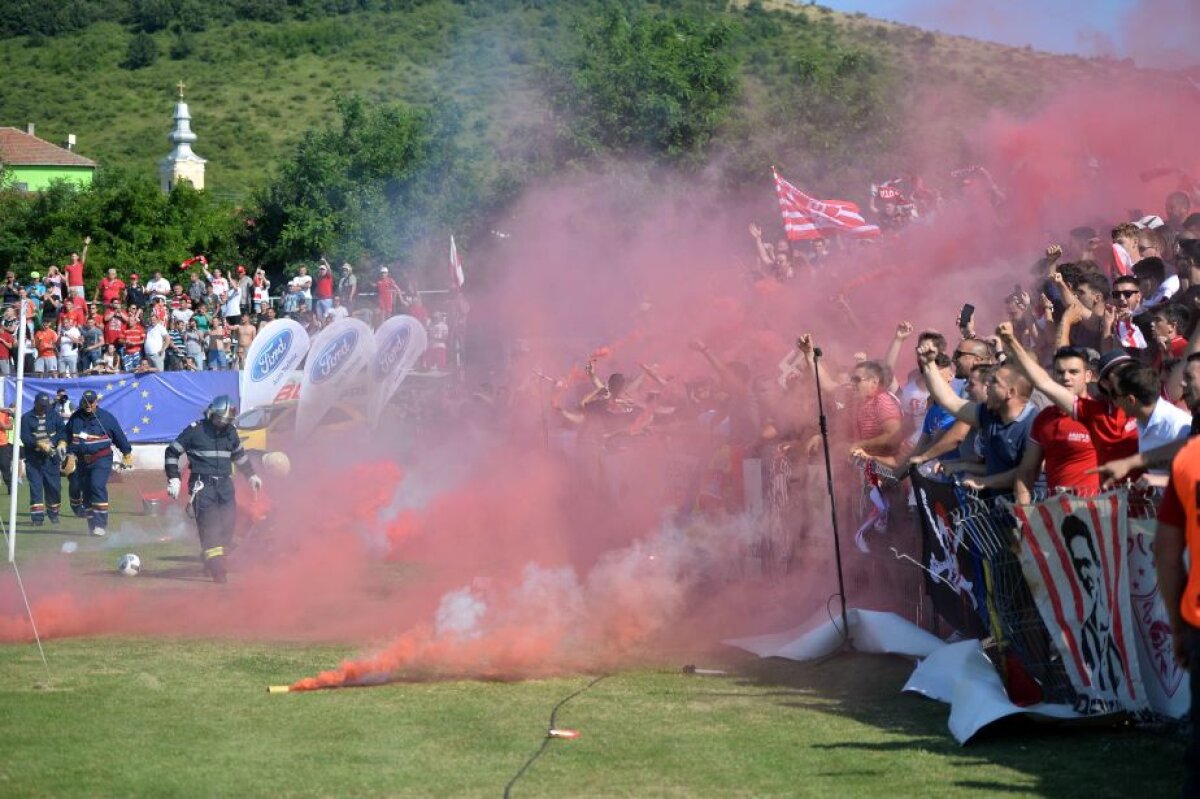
point(151, 408)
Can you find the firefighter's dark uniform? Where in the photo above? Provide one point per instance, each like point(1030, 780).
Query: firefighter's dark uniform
point(91, 438)
point(212, 452)
point(40, 437)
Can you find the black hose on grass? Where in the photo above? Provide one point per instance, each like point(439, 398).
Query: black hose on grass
point(548, 738)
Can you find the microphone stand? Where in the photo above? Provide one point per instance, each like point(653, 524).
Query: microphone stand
point(837, 546)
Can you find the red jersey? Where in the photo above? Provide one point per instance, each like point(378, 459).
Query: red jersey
point(134, 338)
point(111, 290)
point(7, 344)
point(45, 341)
point(323, 287)
point(114, 328)
point(387, 289)
point(1113, 433)
point(872, 415)
point(1068, 451)
point(74, 273)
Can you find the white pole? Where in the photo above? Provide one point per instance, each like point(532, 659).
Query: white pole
point(15, 497)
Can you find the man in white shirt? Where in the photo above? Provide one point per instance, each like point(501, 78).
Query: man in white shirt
point(158, 286)
point(338, 311)
point(218, 285)
point(303, 282)
point(155, 348)
point(1138, 393)
point(69, 341)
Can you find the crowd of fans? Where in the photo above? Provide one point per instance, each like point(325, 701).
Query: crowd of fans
point(205, 320)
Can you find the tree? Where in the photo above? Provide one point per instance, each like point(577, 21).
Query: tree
point(142, 52)
point(656, 84)
point(374, 184)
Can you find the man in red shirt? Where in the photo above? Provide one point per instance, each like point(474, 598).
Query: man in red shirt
point(387, 290)
point(115, 322)
point(45, 341)
point(109, 288)
point(1057, 441)
point(323, 290)
point(133, 339)
point(1113, 433)
point(878, 433)
point(74, 270)
point(7, 345)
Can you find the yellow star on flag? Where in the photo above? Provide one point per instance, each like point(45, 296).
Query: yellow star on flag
point(149, 407)
point(145, 420)
point(109, 387)
point(122, 383)
point(135, 384)
point(137, 429)
point(145, 394)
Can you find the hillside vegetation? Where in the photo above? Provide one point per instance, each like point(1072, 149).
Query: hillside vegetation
point(514, 89)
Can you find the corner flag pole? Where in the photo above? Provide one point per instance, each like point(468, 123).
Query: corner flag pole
point(15, 497)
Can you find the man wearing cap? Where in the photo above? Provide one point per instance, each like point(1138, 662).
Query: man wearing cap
point(388, 290)
point(135, 293)
point(42, 444)
point(91, 435)
point(347, 286)
point(323, 290)
point(212, 448)
point(1113, 432)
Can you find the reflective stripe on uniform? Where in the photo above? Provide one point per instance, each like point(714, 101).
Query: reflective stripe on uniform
point(214, 552)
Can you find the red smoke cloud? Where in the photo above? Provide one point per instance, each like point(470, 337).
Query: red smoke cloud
point(517, 559)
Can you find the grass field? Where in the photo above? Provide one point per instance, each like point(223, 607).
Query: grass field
point(185, 717)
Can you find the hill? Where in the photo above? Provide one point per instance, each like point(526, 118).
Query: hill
point(255, 87)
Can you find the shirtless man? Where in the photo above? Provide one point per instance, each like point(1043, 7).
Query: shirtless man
point(245, 335)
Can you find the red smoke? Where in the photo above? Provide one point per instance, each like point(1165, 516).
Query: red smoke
point(488, 552)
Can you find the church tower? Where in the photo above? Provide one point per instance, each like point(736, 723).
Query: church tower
point(182, 163)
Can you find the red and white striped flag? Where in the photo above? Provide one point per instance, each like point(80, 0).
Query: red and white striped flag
point(1122, 261)
point(456, 271)
point(806, 218)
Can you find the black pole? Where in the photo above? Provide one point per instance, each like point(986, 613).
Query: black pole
point(837, 546)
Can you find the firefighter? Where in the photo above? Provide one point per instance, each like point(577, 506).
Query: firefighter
point(92, 433)
point(213, 448)
point(42, 444)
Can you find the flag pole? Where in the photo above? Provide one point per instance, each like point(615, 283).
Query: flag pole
point(15, 496)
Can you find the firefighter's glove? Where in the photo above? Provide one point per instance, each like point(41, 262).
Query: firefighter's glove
point(255, 483)
point(43, 445)
point(127, 461)
point(173, 488)
point(68, 467)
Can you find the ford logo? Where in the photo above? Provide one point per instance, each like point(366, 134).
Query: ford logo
point(334, 356)
point(391, 354)
point(272, 355)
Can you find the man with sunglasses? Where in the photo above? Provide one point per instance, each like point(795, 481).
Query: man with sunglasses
point(1120, 330)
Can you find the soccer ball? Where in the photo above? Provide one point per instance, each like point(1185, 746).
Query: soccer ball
point(129, 565)
point(277, 464)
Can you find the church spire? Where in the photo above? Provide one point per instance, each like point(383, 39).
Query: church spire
point(181, 163)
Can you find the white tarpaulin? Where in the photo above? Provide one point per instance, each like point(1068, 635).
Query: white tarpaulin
point(1166, 683)
point(958, 674)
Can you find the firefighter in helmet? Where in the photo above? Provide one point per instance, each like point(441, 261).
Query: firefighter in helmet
point(213, 449)
point(92, 434)
point(42, 443)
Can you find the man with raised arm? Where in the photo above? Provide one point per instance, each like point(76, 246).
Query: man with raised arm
point(1113, 432)
point(1004, 419)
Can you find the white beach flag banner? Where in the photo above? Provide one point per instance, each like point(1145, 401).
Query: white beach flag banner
point(399, 342)
point(337, 355)
point(275, 352)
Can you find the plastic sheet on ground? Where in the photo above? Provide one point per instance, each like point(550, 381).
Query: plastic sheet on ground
point(958, 673)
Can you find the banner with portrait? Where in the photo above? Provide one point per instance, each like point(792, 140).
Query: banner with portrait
point(1075, 557)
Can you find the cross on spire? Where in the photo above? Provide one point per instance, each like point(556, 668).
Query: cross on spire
point(181, 86)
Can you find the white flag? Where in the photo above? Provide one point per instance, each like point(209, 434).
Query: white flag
point(275, 352)
point(337, 355)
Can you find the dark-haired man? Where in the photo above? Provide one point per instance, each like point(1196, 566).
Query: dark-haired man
point(1058, 442)
point(1136, 391)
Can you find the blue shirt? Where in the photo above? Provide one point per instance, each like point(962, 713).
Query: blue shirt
point(1004, 442)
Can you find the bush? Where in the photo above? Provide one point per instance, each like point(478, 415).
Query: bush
point(142, 52)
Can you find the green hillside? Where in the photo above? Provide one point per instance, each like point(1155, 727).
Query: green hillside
point(255, 87)
point(521, 89)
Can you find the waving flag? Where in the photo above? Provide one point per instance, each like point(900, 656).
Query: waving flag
point(150, 408)
point(1122, 261)
point(457, 278)
point(807, 218)
point(199, 259)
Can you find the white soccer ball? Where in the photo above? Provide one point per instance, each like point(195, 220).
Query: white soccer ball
point(277, 464)
point(129, 565)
